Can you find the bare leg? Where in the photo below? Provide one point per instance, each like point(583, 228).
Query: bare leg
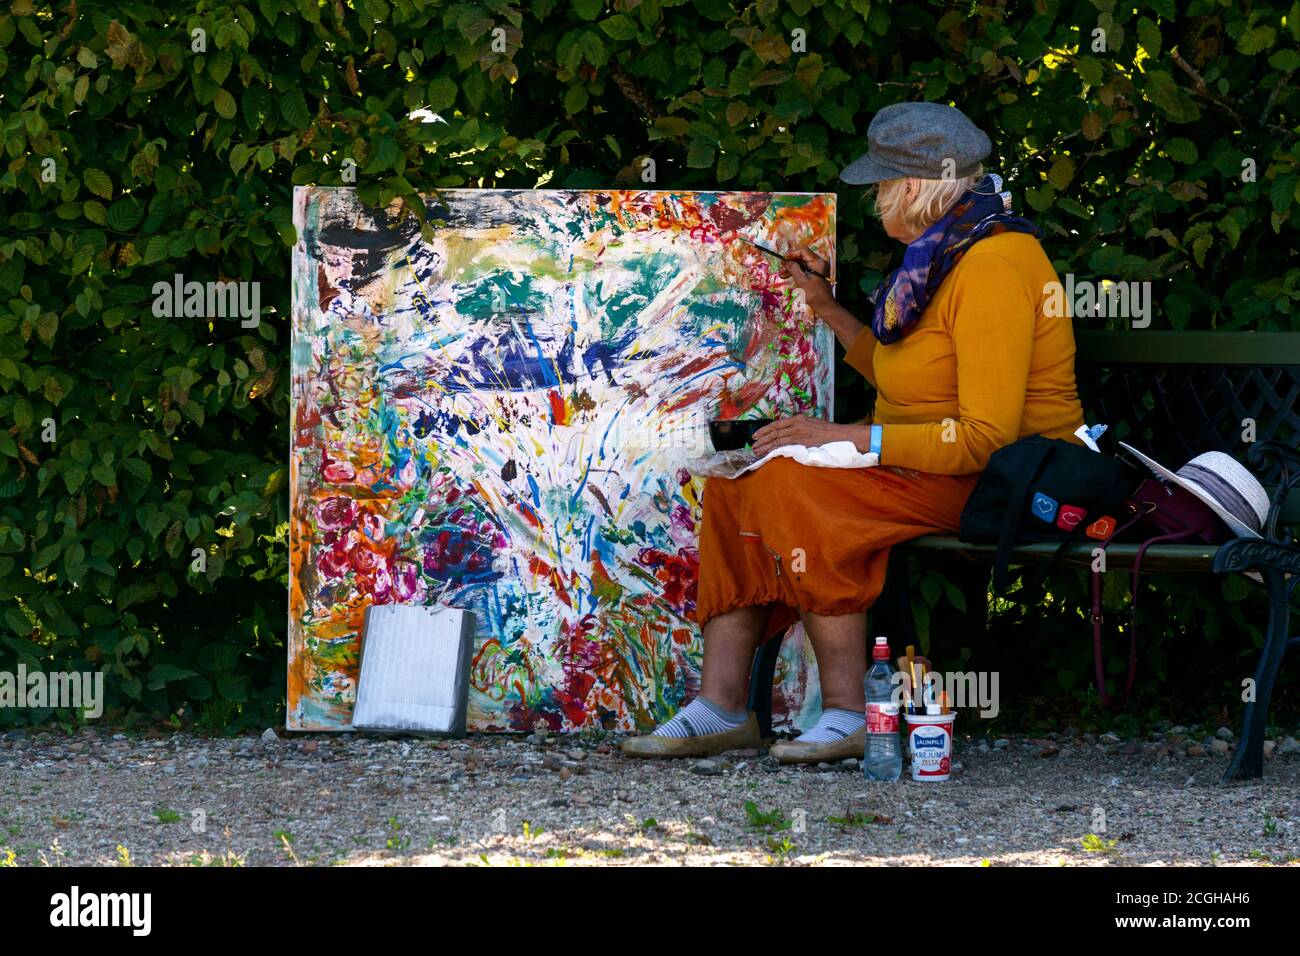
point(729, 643)
point(840, 643)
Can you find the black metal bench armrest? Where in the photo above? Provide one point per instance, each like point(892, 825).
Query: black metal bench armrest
point(1287, 460)
point(1242, 554)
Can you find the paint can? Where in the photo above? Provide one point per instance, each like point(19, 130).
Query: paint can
point(929, 741)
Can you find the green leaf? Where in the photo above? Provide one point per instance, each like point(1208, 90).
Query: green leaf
point(47, 324)
point(575, 100)
point(240, 154)
point(1256, 39)
point(1163, 91)
point(619, 27)
point(293, 107)
point(931, 589)
point(157, 249)
point(1040, 199)
point(955, 596)
point(1089, 69)
point(46, 556)
point(592, 48)
point(224, 104)
point(672, 126)
point(76, 553)
point(1149, 36)
point(1282, 193)
point(472, 23)
point(385, 155)
point(588, 9)
point(138, 468)
point(160, 675)
point(699, 155)
point(1061, 173)
point(155, 523)
point(441, 93)
point(1181, 149)
point(98, 183)
point(255, 104)
point(219, 66)
point(921, 621)
point(125, 214)
point(1285, 60)
point(1200, 248)
point(74, 476)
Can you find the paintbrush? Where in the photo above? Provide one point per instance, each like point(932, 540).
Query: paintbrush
point(922, 661)
point(907, 684)
point(911, 673)
point(906, 668)
point(773, 252)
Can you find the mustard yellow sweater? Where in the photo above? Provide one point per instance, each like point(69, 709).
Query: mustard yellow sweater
point(984, 356)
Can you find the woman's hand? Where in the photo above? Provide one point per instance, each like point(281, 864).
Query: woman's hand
point(816, 291)
point(804, 430)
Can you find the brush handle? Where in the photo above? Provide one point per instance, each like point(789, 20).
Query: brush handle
point(773, 252)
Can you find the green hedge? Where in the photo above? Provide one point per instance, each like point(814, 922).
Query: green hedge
point(131, 157)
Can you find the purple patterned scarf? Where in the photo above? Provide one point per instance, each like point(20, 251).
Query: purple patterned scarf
point(983, 210)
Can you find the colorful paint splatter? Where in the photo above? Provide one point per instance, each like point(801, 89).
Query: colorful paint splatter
point(498, 415)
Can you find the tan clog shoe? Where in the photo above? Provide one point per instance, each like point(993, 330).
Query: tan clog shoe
point(743, 737)
point(795, 751)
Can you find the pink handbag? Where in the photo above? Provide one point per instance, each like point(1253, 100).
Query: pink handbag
point(1172, 510)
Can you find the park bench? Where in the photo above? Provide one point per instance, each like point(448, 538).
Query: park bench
point(1173, 395)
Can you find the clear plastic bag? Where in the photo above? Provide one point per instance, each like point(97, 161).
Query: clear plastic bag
point(730, 464)
point(722, 464)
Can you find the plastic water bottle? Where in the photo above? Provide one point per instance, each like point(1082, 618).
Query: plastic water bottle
point(883, 759)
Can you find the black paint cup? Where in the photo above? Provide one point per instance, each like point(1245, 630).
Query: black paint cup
point(732, 434)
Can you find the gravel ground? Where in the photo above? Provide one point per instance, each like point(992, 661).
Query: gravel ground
point(103, 798)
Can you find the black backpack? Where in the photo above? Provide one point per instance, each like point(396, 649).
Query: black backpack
point(1041, 490)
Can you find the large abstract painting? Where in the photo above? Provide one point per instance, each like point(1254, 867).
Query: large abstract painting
point(499, 411)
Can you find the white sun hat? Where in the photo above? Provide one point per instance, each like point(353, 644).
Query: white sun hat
point(1223, 483)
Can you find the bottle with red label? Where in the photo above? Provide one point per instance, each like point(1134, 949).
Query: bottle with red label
point(883, 759)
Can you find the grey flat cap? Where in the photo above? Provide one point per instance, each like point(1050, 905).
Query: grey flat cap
point(915, 139)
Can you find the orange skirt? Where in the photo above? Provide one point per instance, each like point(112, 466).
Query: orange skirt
point(813, 539)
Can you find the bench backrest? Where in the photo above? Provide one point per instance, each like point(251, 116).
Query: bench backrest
point(1177, 394)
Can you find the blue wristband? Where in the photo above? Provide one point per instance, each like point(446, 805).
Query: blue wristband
point(876, 432)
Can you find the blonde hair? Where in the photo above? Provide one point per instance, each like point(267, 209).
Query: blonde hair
point(933, 199)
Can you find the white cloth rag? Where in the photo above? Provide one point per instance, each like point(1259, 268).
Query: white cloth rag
point(833, 454)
